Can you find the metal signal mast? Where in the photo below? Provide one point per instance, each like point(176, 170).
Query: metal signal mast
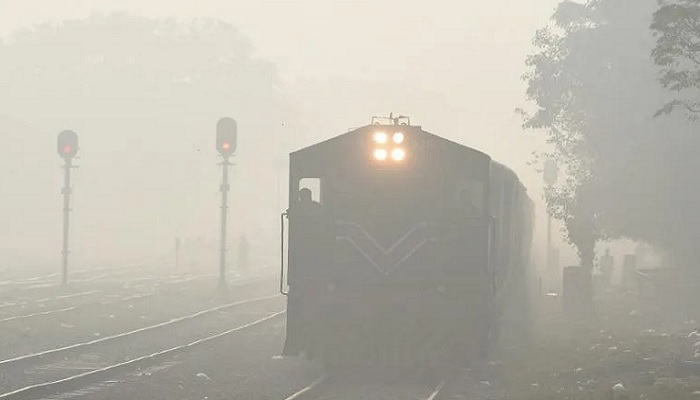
point(226, 136)
point(67, 148)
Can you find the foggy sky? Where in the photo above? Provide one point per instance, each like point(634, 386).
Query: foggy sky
point(465, 58)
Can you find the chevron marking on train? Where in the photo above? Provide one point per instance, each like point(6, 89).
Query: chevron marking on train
point(386, 261)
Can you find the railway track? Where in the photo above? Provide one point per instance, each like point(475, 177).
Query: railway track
point(82, 275)
point(327, 388)
point(41, 327)
point(28, 302)
point(48, 372)
point(55, 311)
point(101, 298)
point(12, 291)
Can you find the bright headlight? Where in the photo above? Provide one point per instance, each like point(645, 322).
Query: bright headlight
point(380, 137)
point(380, 154)
point(398, 154)
point(398, 137)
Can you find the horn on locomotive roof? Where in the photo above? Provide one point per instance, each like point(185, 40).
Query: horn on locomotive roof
point(391, 120)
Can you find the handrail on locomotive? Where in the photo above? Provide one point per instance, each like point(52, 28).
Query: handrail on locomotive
point(399, 120)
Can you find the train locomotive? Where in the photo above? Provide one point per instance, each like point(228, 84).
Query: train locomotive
point(403, 249)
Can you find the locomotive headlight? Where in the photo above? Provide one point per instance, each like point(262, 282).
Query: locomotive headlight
point(398, 154)
point(380, 154)
point(397, 137)
point(380, 137)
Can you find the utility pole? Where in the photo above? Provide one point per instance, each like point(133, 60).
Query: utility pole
point(67, 148)
point(226, 136)
point(66, 191)
point(224, 218)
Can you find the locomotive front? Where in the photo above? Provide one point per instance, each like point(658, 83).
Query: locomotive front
point(389, 242)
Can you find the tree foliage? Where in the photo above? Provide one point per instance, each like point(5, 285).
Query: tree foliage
point(677, 52)
point(594, 85)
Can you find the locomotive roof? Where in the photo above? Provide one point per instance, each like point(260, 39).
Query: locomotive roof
point(333, 141)
point(336, 142)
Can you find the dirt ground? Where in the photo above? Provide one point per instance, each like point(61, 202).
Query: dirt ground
point(627, 350)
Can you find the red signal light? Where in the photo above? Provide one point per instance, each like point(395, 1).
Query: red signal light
point(67, 145)
point(226, 133)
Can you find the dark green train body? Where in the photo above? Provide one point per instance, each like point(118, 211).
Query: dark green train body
point(417, 250)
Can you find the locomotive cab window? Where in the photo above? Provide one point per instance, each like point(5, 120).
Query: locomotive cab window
point(314, 185)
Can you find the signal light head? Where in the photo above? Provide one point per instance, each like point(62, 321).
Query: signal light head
point(226, 134)
point(67, 144)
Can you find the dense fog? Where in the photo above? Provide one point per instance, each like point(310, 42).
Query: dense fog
point(144, 87)
point(542, 243)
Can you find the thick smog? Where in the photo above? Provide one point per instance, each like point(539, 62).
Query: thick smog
point(350, 200)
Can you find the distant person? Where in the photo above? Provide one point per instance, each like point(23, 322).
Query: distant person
point(312, 229)
point(308, 211)
point(606, 265)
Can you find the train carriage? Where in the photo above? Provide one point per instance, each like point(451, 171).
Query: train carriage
point(409, 252)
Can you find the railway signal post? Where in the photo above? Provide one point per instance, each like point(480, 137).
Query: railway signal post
point(226, 135)
point(67, 149)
